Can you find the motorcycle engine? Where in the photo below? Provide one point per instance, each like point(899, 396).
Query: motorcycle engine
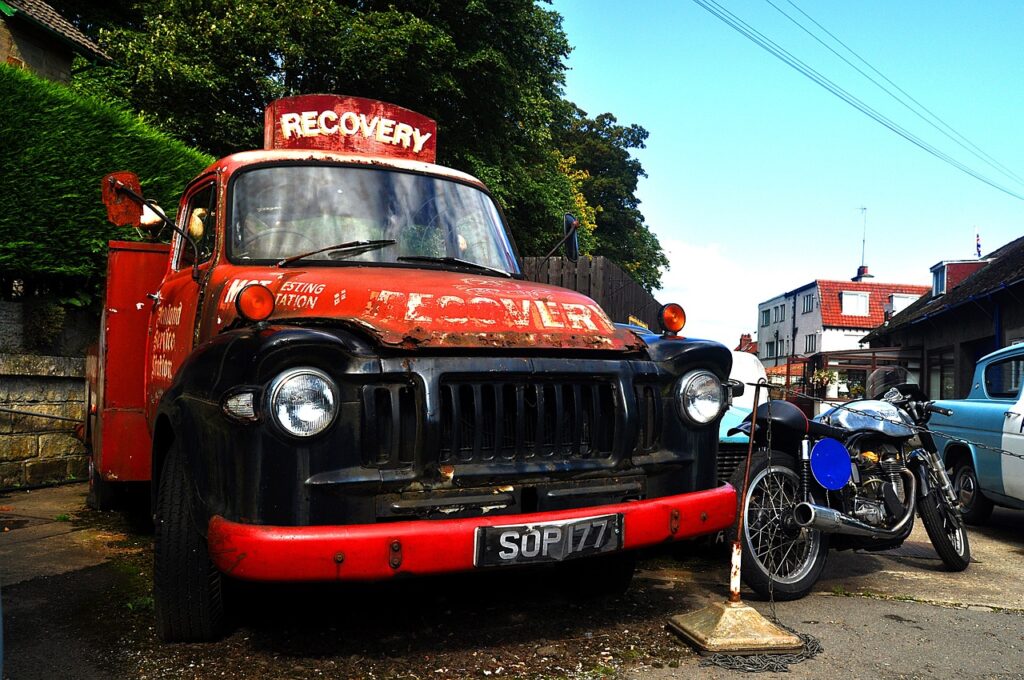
point(879, 498)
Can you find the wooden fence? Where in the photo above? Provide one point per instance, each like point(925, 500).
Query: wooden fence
point(619, 295)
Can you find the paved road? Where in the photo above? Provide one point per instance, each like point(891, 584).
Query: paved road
point(76, 605)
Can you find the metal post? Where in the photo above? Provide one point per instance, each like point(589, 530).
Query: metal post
point(737, 551)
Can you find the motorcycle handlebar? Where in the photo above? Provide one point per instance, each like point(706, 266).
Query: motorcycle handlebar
point(932, 408)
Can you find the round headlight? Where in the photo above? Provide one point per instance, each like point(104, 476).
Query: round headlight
point(700, 397)
point(303, 401)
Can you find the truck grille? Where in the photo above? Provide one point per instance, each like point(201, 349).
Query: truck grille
point(730, 457)
point(648, 406)
point(390, 425)
point(549, 419)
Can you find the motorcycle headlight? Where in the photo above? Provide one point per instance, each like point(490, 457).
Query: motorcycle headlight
point(303, 401)
point(700, 397)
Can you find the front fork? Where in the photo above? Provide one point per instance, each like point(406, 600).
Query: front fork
point(938, 477)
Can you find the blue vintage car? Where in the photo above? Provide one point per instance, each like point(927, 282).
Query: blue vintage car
point(990, 419)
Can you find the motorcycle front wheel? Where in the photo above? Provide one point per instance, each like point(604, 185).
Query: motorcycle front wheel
point(946, 530)
point(781, 560)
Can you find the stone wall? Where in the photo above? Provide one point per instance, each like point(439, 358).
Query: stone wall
point(80, 329)
point(36, 450)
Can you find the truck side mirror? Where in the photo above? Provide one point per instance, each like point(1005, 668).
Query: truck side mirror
point(122, 194)
point(571, 238)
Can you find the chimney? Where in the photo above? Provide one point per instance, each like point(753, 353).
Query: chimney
point(862, 273)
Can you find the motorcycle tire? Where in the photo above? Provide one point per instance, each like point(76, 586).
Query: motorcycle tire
point(946, 530)
point(770, 533)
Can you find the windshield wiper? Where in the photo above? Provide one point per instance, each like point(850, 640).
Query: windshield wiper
point(341, 250)
point(454, 261)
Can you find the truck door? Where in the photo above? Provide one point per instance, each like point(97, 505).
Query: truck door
point(173, 324)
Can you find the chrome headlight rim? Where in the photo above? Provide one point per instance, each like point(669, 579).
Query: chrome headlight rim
point(278, 383)
point(683, 386)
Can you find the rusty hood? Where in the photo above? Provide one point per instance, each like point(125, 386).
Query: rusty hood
point(428, 308)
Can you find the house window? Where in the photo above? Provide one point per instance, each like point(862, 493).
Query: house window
point(769, 350)
point(939, 281)
point(782, 312)
point(808, 303)
point(810, 344)
point(1002, 379)
point(766, 317)
point(855, 303)
point(940, 375)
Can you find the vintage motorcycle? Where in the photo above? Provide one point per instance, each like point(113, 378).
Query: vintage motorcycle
point(851, 478)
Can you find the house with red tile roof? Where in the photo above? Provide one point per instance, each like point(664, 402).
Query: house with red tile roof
point(974, 307)
point(827, 315)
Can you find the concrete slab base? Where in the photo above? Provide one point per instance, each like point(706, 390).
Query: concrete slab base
point(733, 628)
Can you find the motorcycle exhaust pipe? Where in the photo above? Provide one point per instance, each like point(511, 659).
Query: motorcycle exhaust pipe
point(832, 521)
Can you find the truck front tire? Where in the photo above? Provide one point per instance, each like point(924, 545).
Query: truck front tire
point(186, 586)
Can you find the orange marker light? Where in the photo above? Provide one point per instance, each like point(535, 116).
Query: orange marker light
point(672, 318)
point(255, 302)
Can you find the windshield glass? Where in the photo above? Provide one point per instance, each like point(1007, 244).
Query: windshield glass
point(279, 212)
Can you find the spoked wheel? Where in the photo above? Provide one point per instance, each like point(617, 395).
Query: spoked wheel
point(946, 530)
point(781, 560)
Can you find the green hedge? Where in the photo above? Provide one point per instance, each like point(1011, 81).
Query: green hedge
point(55, 147)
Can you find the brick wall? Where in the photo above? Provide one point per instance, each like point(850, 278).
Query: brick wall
point(37, 450)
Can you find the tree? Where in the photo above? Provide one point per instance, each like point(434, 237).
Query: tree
point(490, 73)
point(601, 148)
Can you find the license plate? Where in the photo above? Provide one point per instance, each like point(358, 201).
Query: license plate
point(547, 542)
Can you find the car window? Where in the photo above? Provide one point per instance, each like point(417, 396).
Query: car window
point(1003, 378)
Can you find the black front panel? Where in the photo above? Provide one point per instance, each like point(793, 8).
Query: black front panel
point(436, 437)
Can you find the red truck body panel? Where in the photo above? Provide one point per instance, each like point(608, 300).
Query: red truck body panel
point(120, 438)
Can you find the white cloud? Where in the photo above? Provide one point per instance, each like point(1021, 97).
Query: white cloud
point(719, 295)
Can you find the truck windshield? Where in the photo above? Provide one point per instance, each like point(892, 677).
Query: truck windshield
point(283, 211)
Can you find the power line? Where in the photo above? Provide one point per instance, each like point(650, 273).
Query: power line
point(949, 132)
point(780, 53)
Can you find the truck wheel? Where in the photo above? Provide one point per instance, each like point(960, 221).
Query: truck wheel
point(974, 507)
point(186, 586)
point(781, 560)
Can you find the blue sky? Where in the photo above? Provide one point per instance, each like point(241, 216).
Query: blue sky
point(756, 173)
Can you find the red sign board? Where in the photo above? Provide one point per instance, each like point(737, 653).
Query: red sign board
point(328, 122)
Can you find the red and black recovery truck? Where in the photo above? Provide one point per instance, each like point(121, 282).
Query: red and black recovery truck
point(336, 370)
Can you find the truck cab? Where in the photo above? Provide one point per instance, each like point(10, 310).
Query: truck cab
point(337, 371)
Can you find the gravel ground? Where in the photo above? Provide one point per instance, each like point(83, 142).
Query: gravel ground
point(97, 623)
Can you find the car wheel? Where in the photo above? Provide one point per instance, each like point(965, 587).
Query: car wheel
point(975, 508)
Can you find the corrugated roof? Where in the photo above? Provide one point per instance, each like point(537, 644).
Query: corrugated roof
point(41, 14)
point(1006, 268)
point(878, 295)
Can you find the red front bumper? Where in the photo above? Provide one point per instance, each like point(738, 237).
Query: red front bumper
point(370, 552)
